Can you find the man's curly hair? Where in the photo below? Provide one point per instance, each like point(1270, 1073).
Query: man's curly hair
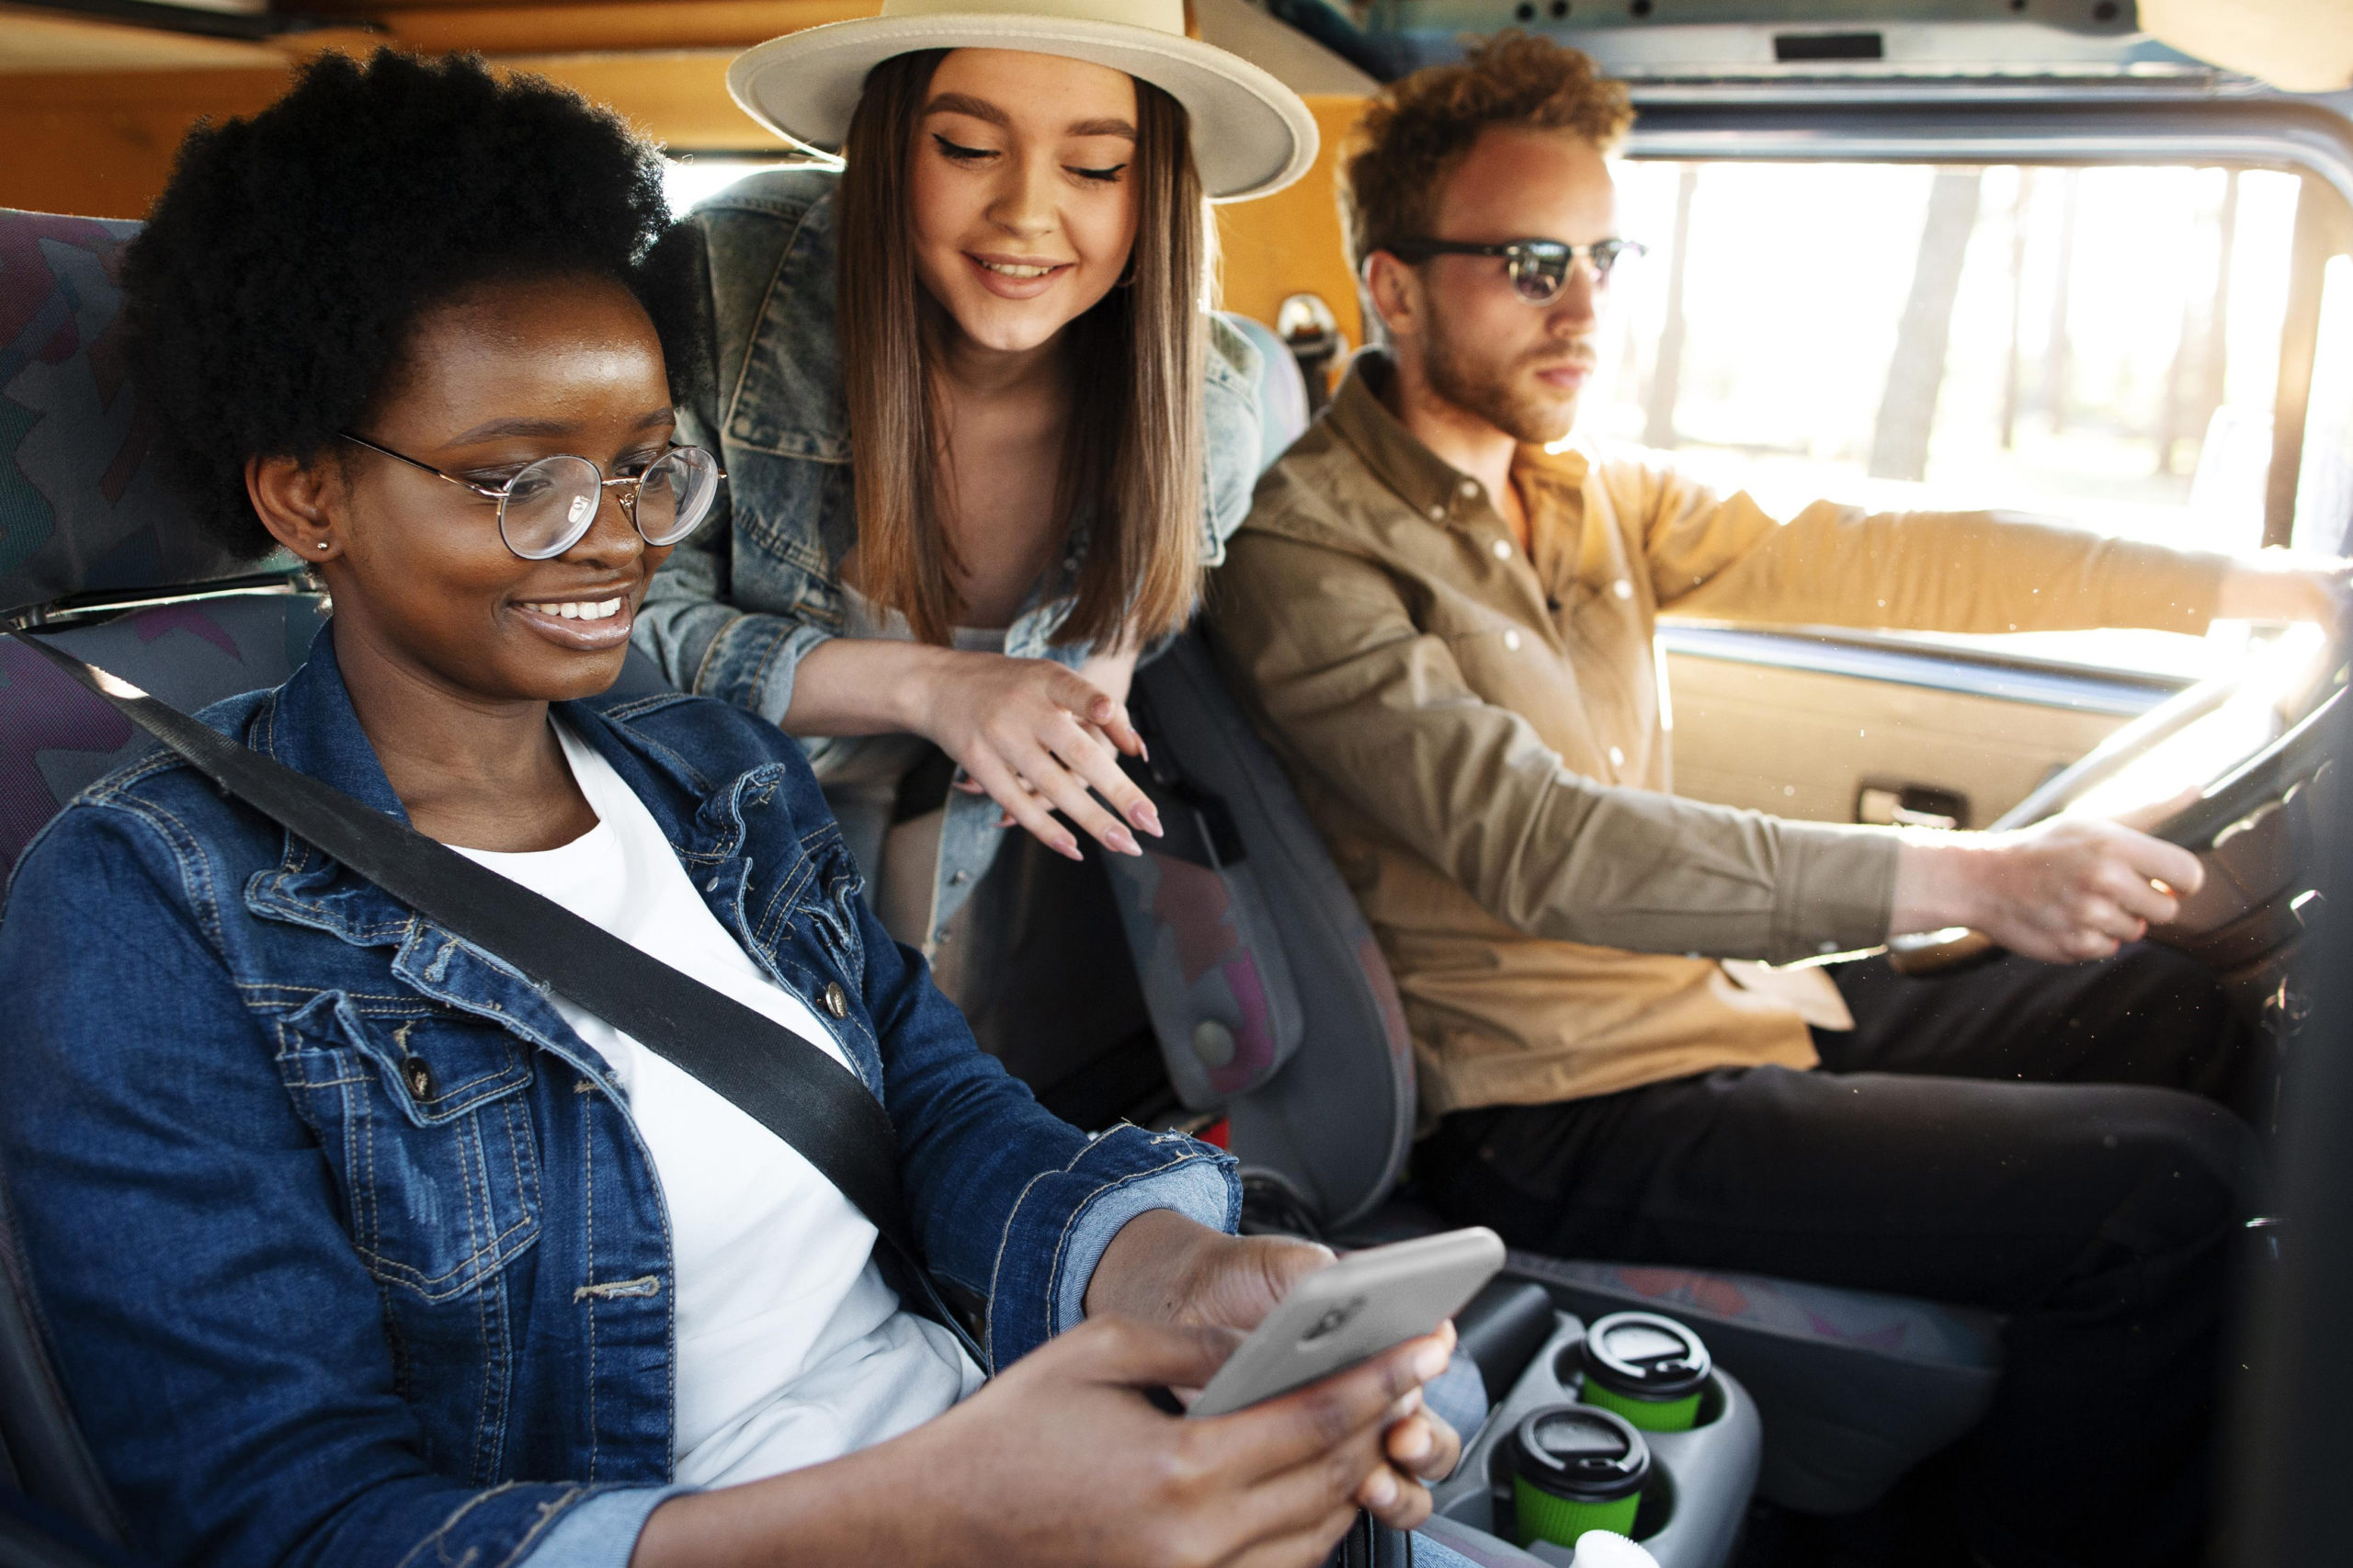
point(1398, 158)
point(280, 274)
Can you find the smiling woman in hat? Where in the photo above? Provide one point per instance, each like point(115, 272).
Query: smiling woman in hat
point(984, 434)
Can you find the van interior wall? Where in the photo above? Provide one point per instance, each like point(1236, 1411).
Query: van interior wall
point(1291, 243)
point(101, 145)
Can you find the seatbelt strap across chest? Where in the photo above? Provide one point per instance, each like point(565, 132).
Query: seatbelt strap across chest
point(790, 1087)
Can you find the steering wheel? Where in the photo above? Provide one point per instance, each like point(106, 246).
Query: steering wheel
point(2249, 823)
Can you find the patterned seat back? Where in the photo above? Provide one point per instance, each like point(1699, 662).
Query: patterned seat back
point(82, 508)
point(55, 737)
point(85, 515)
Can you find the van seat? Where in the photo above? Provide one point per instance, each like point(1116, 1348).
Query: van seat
point(85, 508)
point(56, 737)
point(1282, 387)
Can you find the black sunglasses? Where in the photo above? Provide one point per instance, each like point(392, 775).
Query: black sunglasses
point(1538, 268)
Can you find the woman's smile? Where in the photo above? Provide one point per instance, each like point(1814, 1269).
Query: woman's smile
point(1018, 278)
point(588, 625)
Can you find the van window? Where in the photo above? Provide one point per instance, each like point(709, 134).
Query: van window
point(2324, 477)
point(2097, 345)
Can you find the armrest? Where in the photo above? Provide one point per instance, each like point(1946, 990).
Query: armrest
point(1501, 1329)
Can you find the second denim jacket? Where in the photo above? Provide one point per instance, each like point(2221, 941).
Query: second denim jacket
point(743, 602)
point(349, 1249)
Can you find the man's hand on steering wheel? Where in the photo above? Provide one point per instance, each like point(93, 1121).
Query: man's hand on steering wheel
point(2064, 891)
point(2073, 888)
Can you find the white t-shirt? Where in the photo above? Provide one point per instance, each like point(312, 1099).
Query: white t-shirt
point(790, 1348)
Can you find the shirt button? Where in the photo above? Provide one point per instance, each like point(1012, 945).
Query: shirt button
point(959, 879)
point(1502, 549)
point(1511, 641)
point(420, 1078)
point(1616, 757)
point(837, 999)
point(1470, 490)
point(1623, 589)
point(1437, 513)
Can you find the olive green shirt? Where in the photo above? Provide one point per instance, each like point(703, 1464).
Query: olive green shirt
point(1476, 731)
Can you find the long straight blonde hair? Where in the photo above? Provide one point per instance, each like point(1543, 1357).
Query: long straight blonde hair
point(1133, 454)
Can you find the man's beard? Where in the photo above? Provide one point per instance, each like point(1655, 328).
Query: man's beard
point(1499, 393)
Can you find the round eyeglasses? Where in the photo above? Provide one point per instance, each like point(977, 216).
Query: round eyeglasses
point(549, 507)
point(1539, 269)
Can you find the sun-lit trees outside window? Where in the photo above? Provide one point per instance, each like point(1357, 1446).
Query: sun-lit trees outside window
point(2099, 345)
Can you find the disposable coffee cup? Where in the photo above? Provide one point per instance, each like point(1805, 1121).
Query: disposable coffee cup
point(1648, 1368)
point(1575, 1468)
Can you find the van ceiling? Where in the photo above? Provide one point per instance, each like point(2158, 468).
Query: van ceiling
point(45, 36)
point(2304, 45)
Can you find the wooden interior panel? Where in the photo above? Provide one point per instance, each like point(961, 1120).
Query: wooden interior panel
point(1289, 243)
point(1801, 744)
point(91, 116)
point(101, 145)
point(731, 25)
point(37, 41)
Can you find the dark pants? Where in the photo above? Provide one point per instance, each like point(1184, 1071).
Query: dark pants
point(2015, 1137)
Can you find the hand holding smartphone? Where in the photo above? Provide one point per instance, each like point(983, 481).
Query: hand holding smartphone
point(1362, 1305)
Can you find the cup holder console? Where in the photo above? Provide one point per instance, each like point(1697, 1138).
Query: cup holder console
point(1693, 1500)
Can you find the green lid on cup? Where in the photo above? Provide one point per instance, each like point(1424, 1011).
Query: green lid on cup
point(1646, 1358)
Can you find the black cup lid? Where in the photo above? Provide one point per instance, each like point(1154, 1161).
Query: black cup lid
point(1580, 1453)
point(1644, 1355)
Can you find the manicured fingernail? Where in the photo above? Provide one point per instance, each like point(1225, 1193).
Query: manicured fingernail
point(1429, 1361)
point(1120, 839)
point(1068, 846)
point(1380, 1491)
point(1144, 817)
point(1143, 748)
point(1405, 1406)
point(1004, 819)
point(1414, 1442)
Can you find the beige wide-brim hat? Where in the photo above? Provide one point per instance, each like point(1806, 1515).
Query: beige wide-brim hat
point(1251, 134)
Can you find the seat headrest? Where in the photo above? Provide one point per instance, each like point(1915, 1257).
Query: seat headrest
point(83, 507)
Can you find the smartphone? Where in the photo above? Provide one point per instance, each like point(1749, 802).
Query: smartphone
point(1362, 1305)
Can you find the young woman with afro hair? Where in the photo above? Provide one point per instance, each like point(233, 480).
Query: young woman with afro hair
point(355, 1248)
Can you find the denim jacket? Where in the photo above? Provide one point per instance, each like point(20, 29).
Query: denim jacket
point(347, 1247)
point(743, 602)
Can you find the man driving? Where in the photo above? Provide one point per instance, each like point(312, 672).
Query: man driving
point(1446, 630)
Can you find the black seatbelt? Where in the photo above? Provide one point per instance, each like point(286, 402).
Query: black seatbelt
point(788, 1085)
